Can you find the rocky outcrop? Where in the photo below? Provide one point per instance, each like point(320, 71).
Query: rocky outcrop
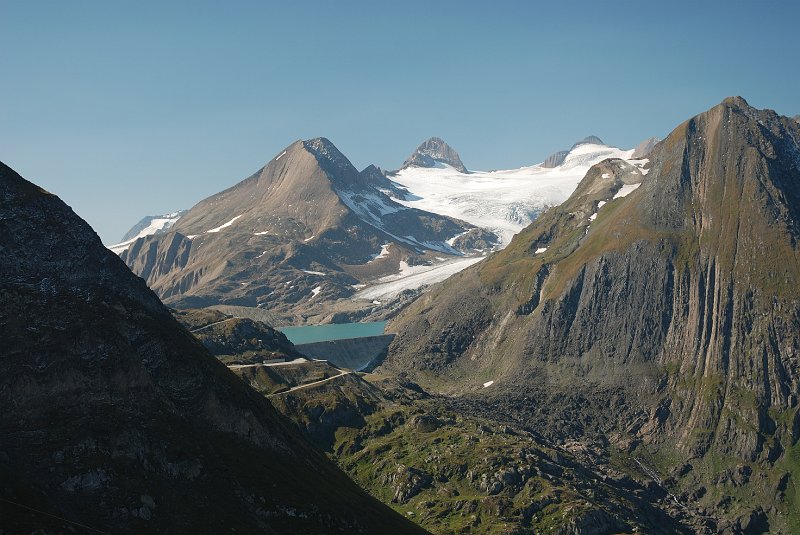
point(432, 151)
point(115, 419)
point(236, 340)
point(555, 159)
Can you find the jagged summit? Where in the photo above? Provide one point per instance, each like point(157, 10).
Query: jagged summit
point(328, 155)
point(432, 151)
point(557, 158)
point(735, 102)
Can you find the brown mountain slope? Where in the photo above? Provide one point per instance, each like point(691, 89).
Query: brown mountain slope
point(300, 232)
point(115, 419)
point(672, 317)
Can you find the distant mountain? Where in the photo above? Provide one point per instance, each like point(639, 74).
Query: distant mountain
point(797, 118)
point(306, 229)
point(644, 148)
point(116, 420)
point(432, 152)
point(148, 225)
point(557, 158)
point(656, 311)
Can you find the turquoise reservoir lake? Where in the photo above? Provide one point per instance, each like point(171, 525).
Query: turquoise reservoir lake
point(309, 334)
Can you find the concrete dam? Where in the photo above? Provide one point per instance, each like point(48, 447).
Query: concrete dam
point(352, 353)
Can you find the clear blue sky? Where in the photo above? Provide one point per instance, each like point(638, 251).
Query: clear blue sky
point(133, 108)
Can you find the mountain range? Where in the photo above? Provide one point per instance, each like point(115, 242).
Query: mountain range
point(309, 236)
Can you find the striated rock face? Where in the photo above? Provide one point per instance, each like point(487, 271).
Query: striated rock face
point(434, 150)
point(678, 305)
point(114, 417)
point(555, 159)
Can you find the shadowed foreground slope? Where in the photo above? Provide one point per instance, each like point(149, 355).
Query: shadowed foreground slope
point(114, 417)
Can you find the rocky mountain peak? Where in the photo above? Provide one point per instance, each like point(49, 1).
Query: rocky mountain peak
point(372, 170)
point(329, 157)
point(432, 151)
point(735, 102)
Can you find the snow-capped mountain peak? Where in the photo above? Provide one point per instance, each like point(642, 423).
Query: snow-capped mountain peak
point(148, 225)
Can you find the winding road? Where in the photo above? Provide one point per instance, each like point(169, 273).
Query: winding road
point(309, 385)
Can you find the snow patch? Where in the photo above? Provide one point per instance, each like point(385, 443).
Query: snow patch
point(313, 272)
point(640, 164)
point(280, 156)
point(540, 250)
point(224, 225)
point(487, 384)
point(412, 277)
point(383, 254)
point(626, 189)
point(309, 239)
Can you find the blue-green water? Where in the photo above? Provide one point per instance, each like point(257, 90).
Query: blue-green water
point(308, 334)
